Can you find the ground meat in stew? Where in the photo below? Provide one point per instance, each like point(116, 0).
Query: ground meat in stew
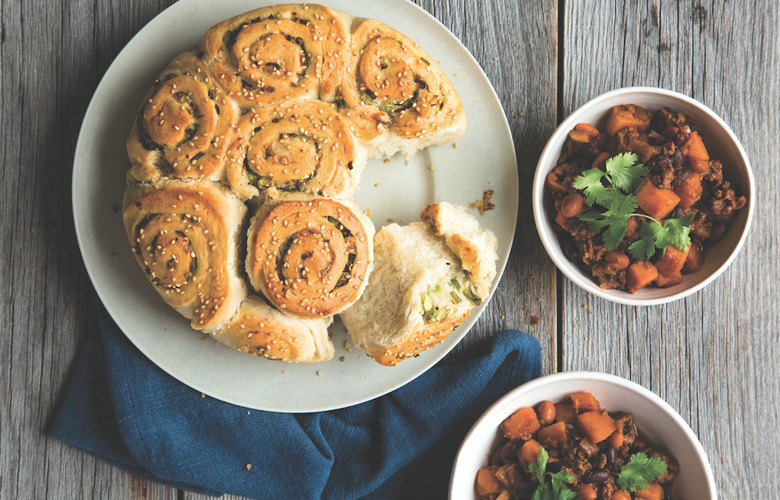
point(593, 457)
point(676, 160)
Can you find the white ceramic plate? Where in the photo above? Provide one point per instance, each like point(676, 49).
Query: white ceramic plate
point(654, 417)
point(484, 159)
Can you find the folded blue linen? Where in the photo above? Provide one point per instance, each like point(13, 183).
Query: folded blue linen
point(122, 408)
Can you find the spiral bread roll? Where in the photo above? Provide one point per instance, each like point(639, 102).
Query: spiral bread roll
point(278, 54)
point(184, 234)
point(310, 257)
point(303, 146)
point(183, 126)
point(260, 330)
point(419, 290)
point(278, 110)
point(396, 96)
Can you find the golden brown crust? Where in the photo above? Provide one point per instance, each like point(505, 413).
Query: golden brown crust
point(276, 54)
point(183, 126)
point(431, 215)
point(304, 146)
point(260, 330)
point(310, 258)
point(389, 81)
point(183, 236)
point(432, 334)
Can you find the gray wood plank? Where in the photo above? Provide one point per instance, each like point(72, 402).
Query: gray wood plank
point(713, 355)
point(48, 71)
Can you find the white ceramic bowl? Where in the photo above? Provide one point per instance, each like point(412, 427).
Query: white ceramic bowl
point(654, 417)
point(721, 144)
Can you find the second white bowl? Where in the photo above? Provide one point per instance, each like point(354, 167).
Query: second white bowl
point(654, 417)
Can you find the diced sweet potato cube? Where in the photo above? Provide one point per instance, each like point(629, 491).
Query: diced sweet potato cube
point(587, 129)
point(694, 147)
point(521, 425)
point(640, 274)
point(652, 492)
point(584, 401)
point(564, 412)
point(553, 435)
point(670, 263)
point(597, 425)
point(666, 281)
point(689, 190)
point(528, 453)
point(487, 484)
point(625, 116)
point(694, 261)
point(657, 202)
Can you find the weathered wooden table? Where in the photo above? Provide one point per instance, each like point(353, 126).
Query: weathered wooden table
point(713, 356)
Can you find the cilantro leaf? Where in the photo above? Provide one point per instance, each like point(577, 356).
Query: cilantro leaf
point(650, 234)
point(555, 488)
point(623, 205)
point(625, 173)
point(559, 480)
point(595, 220)
point(538, 468)
point(678, 231)
point(616, 231)
point(640, 471)
point(595, 191)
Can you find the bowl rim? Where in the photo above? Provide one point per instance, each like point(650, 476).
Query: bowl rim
point(581, 376)
point(550, 153)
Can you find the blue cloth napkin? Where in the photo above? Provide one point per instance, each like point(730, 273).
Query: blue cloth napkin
point(122, 408)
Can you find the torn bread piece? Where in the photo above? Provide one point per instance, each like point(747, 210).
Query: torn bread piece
point(418, 293)
point(475, 246)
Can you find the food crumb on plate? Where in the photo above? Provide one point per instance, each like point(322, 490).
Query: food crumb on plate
point(202, 396)
point(485, 205)
point(319, 373)
point(346, 346)
point(342, 359)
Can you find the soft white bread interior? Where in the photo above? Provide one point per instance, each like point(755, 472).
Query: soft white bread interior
point(418, 294)
point(475, 246)
point(260, 330)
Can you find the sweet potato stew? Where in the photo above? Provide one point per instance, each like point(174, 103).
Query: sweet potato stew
point(574, 449)
point(639, 201)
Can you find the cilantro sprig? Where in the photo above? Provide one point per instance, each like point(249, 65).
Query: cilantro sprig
point(640, 471)
point(613, 191)
point(555, 488)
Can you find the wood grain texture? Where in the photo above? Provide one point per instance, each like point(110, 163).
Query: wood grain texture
point(712, 356)
point(51, 57)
